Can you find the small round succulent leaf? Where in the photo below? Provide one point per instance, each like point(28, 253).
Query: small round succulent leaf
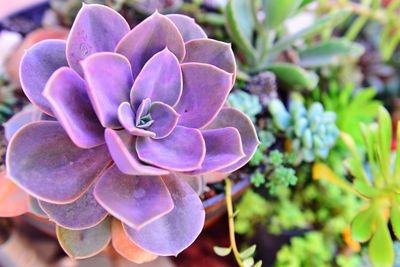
point(82, 244)
point(135, 200)
point(148, 38)
point(37, 65)
point(43, 160)
point(142, 110)
point(13, 200)
point(121, 146)
point(188, 27)
point(230, 117)
point(183, 150)
point(211, 52)
point(223, 148)
point(35, 208)
point(81, 214)
point(177, 230)
point(126, 248)
point(160, 80)
point(109, 79)
point(66, 92)
point(97, 28)
point(165, 119)
point(205, 91)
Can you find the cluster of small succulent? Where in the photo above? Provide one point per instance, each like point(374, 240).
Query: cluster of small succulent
point(248, 103)
point(312, 133)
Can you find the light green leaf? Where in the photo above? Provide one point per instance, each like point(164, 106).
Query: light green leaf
point(384, 141)
point(276, 12)
point(294, 77)
point(366, 189)
point(397, 163)
point(82, 244)
point(240, 25)
point(362, 225)
point(331, 52)
point(395, 219)
point(222, 251)
point(248, 252)
point(258, 264)
point(248, 262)
point(331, 20)
point(380, 248)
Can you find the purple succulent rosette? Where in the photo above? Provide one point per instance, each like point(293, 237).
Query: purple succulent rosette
point(126, 116)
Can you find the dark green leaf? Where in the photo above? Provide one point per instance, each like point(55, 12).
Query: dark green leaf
point(331, 52)
point(294, 77)
point(276, 12)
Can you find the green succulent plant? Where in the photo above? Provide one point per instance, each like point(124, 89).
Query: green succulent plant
point(7, 100)
point(312, 132)
point(378, 184)
point(248, 103)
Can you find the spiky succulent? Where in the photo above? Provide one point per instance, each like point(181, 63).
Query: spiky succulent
point(312, 132)
point(129, 115)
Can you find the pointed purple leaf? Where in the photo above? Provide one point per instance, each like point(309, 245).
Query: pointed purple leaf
point(212, 52)
point(188, 27)
point(126, 117)
point(37, 65)
point(183, 150)
point(165, 119)
point(121, 146)
point(223, 148)
point(97, 28)
point(148, 38)
point(177, 230)
point(81, 214)
point(205, 90)
point(66, 92)
point(109, 79)
point(135, 200)
point(230, 117)
point(43, 161)
point(159, 80)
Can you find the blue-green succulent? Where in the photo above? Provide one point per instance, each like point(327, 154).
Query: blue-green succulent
point(248, 103)
point(312, 131)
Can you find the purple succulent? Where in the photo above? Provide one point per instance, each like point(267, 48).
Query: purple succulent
point(129, 115)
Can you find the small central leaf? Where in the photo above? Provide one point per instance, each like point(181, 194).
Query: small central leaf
point(145, 121)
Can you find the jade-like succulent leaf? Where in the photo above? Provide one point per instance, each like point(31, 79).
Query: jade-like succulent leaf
point(148, 38)
point(156, 83)
point(109, 80)
point(188, 27)
point(121, 146)
point(36, 69)
point(81, 214)
point(183, 150)
point(135, 200)
point(174, 232)
point(380, 248)
point(205, 90)
point(126, 248)
point(67, 94)
point(43, 161)
point(223, 148)
point(362, 225)
point(97, 28)
point(82, 244)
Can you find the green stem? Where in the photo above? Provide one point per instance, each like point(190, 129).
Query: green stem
point(229, 208)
